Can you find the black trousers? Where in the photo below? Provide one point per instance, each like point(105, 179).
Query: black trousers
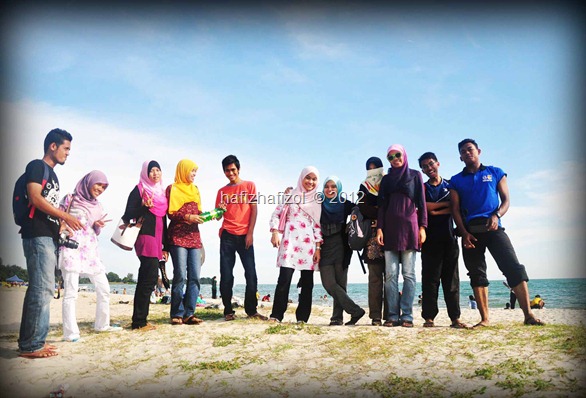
point(439, 261)
point(281, 299)
point(148, 273)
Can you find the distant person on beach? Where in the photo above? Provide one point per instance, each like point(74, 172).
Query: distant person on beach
point(300, 249)
point(266, 297)
point(85, 261)
point(480, 198)
point(335, 252)
point(401, 224)
point(214, 288)
point(238, 198)
point(40, 236)
point(472, 303)
point(537, 302)
point(439, 253)
point(507, 306)
point(185, 243)
point(373, 254)
point(512, 297)
point(148, 201)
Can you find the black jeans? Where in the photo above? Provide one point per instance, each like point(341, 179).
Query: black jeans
point(439, 263)
point(282, 294)
point(334, 279)
point(148, 274)
point(230, 245)
point(501, 249)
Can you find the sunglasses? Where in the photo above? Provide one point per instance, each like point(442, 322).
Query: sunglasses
point(392, 157)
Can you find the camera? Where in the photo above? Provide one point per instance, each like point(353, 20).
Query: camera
point(66, 242)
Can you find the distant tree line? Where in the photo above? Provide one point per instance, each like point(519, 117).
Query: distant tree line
point(6, 271)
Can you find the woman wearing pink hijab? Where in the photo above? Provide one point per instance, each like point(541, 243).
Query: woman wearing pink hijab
point(148, 200)
point(298, 221)
point(85, 259)
point(401, 223)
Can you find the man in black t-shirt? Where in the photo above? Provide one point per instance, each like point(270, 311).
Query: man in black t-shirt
point(40, 234)
point(439, 253)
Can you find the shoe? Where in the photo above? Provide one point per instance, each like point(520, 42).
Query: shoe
point(428, 324)
point(230, 317)
point(390, 324)
point(42, 353)
point(177, 321)
point(258, 316)
point(300, 322)
point(407, 324)
point(192, 320)
point(356, 318)
point(336, 322)
point(110, 328)
point(145, 328)
point(377, 322)
point(274, 320)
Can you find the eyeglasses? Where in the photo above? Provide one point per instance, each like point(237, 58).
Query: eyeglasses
point(393, 156)
point(428, 165)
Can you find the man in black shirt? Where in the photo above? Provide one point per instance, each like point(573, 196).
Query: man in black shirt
point(40, 234)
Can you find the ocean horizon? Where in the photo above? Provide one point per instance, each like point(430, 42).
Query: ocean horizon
point(564, 293)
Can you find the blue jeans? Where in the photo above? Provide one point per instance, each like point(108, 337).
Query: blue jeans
point(230, 245)
point(399, 306)
point(41, 260)
point(186, 269)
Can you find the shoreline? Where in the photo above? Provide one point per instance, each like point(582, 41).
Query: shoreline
point(257, 359)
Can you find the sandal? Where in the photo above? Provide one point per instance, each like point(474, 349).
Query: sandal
point(192, 320)
point(534, 322)
point(459, 325)
point(42, 353)
point(428, 324)
point(176, 321)
point(377, 322)
point(407, 324)
point(230, 317)
point(391, 323)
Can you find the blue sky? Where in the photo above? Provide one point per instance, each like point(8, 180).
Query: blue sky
point(286, 87)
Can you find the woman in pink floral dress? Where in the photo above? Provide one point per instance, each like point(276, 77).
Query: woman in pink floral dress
point(298, 221)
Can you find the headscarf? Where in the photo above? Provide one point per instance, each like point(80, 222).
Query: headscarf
point(307, 200)
point(183, 191)
point(156, 191)
point(374, 176)
point(83, 199)
point(333, 209)
point(397, 175)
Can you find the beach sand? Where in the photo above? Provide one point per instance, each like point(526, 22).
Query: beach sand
point(251, 358)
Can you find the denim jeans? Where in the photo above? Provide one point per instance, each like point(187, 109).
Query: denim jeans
point(186, 269)
point(230, 245)
point(399, 306)
point(41, 261)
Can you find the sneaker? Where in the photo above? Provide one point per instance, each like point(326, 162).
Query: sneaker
point(258, 316)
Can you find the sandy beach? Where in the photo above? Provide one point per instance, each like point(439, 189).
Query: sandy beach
point(251, 358)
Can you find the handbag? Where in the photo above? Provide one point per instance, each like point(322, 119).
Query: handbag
point(126, 234)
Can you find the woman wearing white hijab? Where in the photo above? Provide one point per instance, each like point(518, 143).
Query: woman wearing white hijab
point(298, 221)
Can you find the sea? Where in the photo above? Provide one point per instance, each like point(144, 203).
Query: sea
point(557, 293)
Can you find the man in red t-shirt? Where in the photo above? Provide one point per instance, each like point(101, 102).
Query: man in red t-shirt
point(238, 198)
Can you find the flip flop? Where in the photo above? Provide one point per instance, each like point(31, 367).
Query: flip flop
point(533, 322)
point(460, 325)
point(192, 320)
point(479, 326)
point(42, 353)
point(428, 324)
point(176, 321)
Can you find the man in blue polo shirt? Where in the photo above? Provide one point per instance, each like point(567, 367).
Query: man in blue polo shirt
point(480, 198)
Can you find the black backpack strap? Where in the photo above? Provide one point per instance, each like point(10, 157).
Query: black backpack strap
point(361, 261)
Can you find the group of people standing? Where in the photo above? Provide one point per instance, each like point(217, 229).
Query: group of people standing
point(407, 216)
